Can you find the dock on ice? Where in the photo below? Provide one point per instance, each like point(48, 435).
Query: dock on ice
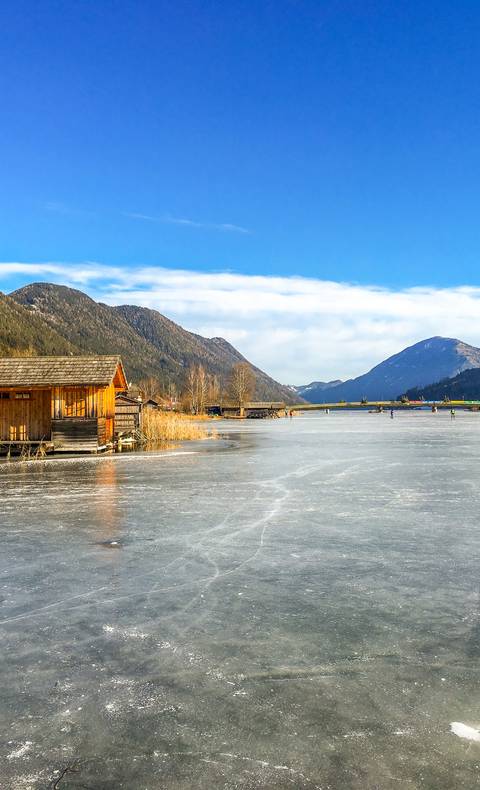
point(250, 410)
point(384, 405)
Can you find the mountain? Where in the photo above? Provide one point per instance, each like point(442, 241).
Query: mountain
point(465, 385)
point(429, 360)
point(22, 333)
point(317, 386)
point(185, 348)
point(148, 342)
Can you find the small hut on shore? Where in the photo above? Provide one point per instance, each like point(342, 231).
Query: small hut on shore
point(128, 414)
point(151, 403)
point(66, 403)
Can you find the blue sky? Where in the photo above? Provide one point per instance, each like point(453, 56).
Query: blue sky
point(335, 141)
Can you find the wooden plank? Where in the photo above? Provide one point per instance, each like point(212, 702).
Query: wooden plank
point(75, 435)
point(25, 418)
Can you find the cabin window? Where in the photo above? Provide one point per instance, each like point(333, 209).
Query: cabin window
point(22, 396)
point(18, 433)
point(75, 402)
point(4, 396)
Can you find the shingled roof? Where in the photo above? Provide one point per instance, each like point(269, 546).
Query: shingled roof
point(59, 371)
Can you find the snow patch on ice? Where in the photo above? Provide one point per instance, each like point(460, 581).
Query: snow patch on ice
point(26, 782)
point(464, 731)
point(124, 633)
point(119, 681)
point(356, 734)
point(20, 752)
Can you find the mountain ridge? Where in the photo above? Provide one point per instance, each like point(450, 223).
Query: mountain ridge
point(418, 365)
point(320, 386)
point(149, 343)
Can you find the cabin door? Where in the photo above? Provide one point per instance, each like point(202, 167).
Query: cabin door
point(75, 402)
point(19, 417)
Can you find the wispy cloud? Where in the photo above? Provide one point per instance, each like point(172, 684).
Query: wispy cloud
point(227, 227)
point(57, 207)
point(297, 329)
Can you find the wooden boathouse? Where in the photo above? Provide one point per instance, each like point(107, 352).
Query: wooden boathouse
point(64, 403)
point(128, 414)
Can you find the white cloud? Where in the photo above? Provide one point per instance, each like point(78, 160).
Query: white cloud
point(295, 328)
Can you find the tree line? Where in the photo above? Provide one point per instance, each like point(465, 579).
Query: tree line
point(202, 389)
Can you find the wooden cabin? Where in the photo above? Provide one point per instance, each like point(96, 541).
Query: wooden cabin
point(150, 403)
point(128, 414)
point(65, 402)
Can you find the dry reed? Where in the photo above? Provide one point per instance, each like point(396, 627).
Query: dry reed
point(158, 426)
point(28, 453)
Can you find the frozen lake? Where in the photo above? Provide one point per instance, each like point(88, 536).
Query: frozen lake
point(296, 606)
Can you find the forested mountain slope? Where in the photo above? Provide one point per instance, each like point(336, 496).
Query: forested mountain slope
point(149, 343)
point(465, 385)
point(24, 333)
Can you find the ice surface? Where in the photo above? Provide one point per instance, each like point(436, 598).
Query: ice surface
point(296, 605)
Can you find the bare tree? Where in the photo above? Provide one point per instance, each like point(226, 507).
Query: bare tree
point(202, 389)
point(242, 384)
point(192, 389)
point(149, 387)
point(171, 394)
point(214, 390)
point(197, 389)
point(172, 390)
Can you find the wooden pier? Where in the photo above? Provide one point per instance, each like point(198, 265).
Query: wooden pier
point(383, 405)
point(253, 410)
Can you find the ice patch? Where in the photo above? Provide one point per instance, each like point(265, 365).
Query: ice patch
point(26, 782)
point(23, 749)
point(464, 731)
point(123, 682)
point(124, 633)
point(356, 734)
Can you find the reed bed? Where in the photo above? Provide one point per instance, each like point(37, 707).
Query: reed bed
point(29, 453)
point(158, 427)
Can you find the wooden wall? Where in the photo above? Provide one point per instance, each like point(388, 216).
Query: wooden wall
point(94, 407)
point(109, 412)
point(127, 416)
point(89, 402)
point(71, 402)
point(28, 415)
point(24, 419)
point(76, 435)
